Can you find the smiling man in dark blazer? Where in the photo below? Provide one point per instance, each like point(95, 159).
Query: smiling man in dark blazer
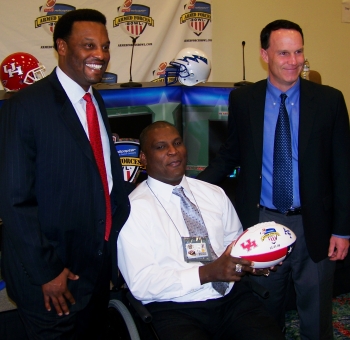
point(319, 212)
point(57, 249)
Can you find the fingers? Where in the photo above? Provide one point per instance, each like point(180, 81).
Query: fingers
point(57, 293)
point(229, 248)
point(59, 301)
point(244, 265)
point(238, 268)
point(47, 303)
point(259, 272)
point(234, 272)
point(69, 297)
point(337, 255)
point(72, 276)
point(338, 248)
point(331, 248)
point(60, 306)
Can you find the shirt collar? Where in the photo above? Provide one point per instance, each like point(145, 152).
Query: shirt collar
point(275, 93)
point(165, 191)
point(73, 90)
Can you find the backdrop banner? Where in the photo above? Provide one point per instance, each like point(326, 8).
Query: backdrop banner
point(159, 28)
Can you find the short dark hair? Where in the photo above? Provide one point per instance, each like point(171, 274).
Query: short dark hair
point(63, 27)
point(149, 128)
point(274, 26)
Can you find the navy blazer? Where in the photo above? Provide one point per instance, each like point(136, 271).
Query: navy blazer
point(52, 200)
point(324, 160)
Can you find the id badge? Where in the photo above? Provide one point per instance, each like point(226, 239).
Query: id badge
point(196, 249)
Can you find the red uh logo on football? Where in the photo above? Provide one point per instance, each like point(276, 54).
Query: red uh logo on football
point(249, 245)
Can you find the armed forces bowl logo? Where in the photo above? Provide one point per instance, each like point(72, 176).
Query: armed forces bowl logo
point(49, 15)
point(133, 18)
point(271, 234)
point(129, 153)
point(197, 15)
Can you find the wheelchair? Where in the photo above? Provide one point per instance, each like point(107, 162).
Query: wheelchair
point(131, 320)
point(128, 317)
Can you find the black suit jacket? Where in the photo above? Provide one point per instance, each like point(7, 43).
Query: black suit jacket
point(52, 201)
point(324, 160)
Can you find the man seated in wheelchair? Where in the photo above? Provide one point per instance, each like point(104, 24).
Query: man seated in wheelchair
point(174, 251)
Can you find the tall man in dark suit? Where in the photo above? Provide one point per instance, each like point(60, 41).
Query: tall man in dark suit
point(61, 212)
point(320, 174)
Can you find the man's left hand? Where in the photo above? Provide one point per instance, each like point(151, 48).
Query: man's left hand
point(338, 248)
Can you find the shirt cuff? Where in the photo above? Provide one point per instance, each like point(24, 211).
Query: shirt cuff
point(190, 279)
point(341, 236)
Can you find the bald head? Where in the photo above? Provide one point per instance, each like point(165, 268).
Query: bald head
point(163, 152)
point(156, 125)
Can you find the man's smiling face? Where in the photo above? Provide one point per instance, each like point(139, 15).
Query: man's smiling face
point(164, 155)
point(84, 56)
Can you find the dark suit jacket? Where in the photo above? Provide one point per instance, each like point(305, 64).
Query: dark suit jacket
point(324, 160)
point(52, 200)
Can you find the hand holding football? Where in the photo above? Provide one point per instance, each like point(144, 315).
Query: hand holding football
point(266, 244)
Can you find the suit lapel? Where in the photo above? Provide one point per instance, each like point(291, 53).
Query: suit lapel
point(70, 118)
point(256, 116)
point(307, 115)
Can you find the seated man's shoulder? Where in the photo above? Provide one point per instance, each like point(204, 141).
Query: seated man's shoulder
point(140, 192)
point(206, 187)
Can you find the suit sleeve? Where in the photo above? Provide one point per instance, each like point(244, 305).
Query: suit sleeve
point(228, 156)
point(341, 168)
point(18, 202)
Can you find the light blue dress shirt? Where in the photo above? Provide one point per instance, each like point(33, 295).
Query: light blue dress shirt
point(272, 105)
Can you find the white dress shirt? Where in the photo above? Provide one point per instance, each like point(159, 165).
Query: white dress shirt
point(75, 94)
point(150, 251)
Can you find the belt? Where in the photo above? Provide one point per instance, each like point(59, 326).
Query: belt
point(289, 212)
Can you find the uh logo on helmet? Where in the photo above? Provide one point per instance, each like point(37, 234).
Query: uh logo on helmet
point(20, 69)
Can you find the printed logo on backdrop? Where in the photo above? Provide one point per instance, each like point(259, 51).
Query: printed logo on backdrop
point(129, 154)
point(133, 18)
point(50, 13)
point(163, 69)
point(109, 77)
point(197, 16)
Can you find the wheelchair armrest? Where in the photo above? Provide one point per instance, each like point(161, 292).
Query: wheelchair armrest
point(139, 308)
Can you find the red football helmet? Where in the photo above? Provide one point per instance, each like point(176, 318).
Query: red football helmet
point(19, 70)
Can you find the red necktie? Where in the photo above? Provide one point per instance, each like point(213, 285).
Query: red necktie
point(96, 145)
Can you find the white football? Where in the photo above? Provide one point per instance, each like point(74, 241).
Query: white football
point(267, 244)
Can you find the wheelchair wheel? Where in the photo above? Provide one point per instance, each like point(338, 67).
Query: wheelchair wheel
point(127, 318)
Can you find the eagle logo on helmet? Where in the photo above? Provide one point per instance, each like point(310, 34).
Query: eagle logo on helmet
point(192, 67)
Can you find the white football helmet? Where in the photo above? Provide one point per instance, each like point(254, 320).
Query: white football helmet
point(192, 67)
